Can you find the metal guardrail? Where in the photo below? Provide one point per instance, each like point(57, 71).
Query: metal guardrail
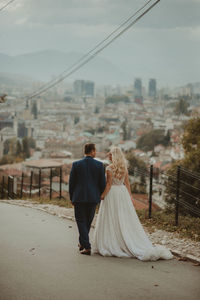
point(182, 184)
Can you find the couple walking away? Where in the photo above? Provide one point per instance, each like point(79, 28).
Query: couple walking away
point(118, 230)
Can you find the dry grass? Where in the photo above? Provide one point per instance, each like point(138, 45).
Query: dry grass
point(189, 227)
point(56, 201)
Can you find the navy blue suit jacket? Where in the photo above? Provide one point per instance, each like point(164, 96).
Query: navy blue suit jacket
point(87, 181)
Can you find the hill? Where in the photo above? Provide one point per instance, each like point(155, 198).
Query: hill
point(44, 65)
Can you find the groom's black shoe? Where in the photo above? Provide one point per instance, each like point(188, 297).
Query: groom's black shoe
point(86, 251)
point(80, 247)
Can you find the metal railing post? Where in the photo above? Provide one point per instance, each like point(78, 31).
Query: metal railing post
point(39, 181)
point(31, 183)
point(12, 187)
point(8, 187)
point(60, 182)
point(177, 194)
point(2, 188)
point(150, 190)
point(22, 183)
point(51, 175)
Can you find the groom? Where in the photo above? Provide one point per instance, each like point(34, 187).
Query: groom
point(86, 184)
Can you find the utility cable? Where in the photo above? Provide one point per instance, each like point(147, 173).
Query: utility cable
point(99, 44)
point(5, 5)
point(87, 59)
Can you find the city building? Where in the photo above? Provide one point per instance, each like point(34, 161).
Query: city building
point(84, 88)
point(152, 88)
point(138, 90)
point(79, 87)
point(89, 88)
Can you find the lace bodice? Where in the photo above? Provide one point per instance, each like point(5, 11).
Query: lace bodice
point(115, 181)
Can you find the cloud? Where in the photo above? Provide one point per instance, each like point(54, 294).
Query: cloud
point(165, 43)
point(167, 14)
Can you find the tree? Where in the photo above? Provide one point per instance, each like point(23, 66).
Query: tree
point(14, 151)
point(18, 148)
point(3, 98)
point(90, 130)
point(10, 146)
point(137, 165)
point(67, 99)
point(189, 188)
point(26, 147)
point(76, 120)
point(101, 129)
point(125, 130)
point(149, 140)
point(166, 140)
point(181, 107)
point(6, 145)
point(7, 159)
point(191, 136)
point(96, 111)
point(116, 99)
point(32, 143)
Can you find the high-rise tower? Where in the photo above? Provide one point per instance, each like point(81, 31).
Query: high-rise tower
point(138, 90)
point(152, 88)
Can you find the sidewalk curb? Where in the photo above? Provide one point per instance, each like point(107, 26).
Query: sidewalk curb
point(186, 257)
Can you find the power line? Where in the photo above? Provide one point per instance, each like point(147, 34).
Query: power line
point(56, 81)
point(87, 57)
point(99, 44)
point(4, 6)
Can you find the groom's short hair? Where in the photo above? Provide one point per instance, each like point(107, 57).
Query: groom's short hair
point(89, 148)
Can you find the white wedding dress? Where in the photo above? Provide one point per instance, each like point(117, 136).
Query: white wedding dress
point(118, 230)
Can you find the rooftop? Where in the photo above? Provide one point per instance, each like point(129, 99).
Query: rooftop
point(42, 163)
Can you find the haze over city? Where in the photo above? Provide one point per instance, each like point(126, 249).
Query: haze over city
point(165, 44)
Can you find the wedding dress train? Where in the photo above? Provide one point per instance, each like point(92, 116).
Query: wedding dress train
point(118, 230)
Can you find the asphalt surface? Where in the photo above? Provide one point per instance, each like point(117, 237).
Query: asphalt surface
point(39, 260)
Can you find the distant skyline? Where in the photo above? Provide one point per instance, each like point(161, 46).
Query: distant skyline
point(164, 45)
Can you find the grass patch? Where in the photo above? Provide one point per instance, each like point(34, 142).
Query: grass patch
point(189, 227)
point(60, 202)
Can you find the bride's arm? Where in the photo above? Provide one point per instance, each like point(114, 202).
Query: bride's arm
point(108, 184)
point(127, 184)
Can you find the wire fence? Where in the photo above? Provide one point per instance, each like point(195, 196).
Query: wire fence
point(40, 183)
point(180, 189)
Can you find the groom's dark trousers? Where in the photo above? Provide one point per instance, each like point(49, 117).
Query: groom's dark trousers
point(86, 184)
point(84, 214)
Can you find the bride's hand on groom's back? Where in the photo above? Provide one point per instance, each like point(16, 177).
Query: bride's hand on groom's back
point(102, 197)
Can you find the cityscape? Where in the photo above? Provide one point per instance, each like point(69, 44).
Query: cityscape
point(66, 117)
point(58, 123)
point(99, 149)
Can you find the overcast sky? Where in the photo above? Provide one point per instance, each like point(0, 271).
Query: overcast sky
point(165, 44)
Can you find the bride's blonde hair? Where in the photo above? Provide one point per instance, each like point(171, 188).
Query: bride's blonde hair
point(119, 163)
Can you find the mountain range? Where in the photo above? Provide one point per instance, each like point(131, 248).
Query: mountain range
point(45, 65)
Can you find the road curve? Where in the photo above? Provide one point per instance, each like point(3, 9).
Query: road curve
point(39, 261)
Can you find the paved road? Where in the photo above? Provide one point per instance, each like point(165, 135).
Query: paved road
point(39, 261)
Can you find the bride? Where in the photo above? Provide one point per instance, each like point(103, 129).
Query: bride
point(118, 229)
